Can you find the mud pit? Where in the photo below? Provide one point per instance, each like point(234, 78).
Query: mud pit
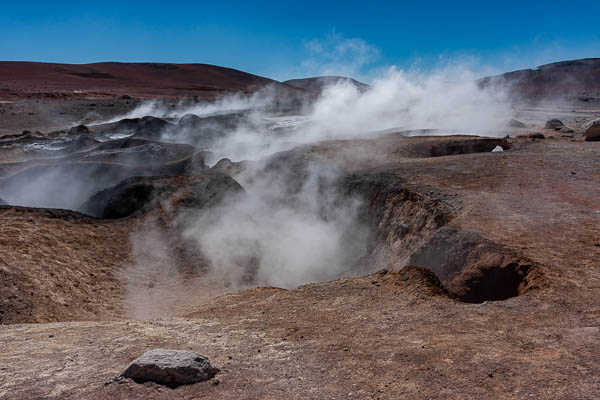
point(481, 291)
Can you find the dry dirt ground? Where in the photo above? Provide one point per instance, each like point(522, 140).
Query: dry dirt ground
point(385, 335)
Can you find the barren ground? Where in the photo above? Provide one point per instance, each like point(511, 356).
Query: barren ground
point(384, 335)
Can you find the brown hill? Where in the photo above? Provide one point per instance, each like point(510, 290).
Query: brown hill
point(575, 78)
point(113, 79)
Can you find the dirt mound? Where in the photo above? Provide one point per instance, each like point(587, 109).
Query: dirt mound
point(127, 197)
point(59, 265)
point(412, 278)
point(141, 194)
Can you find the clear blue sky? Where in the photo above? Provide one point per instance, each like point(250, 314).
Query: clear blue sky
point(283, 39)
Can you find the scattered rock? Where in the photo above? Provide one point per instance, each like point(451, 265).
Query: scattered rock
point(554, 124)
point(125, 97)
point(170, 367)
point(516, 124)
point(591, 130)
point(536, 135)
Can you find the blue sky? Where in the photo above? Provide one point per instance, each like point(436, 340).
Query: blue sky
point(283, 40)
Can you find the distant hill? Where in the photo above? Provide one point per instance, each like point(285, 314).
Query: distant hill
point(111, 79)
point(576, 78)
point(317, 83)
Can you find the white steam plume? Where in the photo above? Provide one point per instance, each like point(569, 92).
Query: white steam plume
point(292, 226)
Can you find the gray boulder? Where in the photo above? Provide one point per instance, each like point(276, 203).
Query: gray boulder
point(170, 367)
point(591, 130)
point(554, 124)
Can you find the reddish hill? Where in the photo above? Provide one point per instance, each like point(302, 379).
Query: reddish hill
point(112, 79)
point(575, 78)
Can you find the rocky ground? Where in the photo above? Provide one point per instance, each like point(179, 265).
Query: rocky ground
point(501, 301)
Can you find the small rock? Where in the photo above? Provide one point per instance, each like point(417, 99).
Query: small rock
point(553, 124)
point(497, 149)
point(170, 367)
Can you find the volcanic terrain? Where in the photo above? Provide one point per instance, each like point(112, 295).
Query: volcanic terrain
point(461, 266)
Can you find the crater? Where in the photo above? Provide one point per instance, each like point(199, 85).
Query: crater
point(412, 226)
point(475, 269)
